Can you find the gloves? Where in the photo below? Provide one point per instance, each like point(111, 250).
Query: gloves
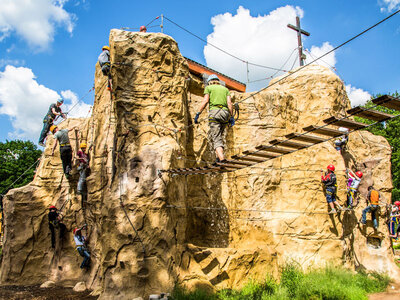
point(196, 118)
point(231, 121)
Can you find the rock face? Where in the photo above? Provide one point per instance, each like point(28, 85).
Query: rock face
point(146, 232)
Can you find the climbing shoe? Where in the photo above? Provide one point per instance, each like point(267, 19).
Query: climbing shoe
point(215, 164)
point(333, 211)
point(340, 208)
point(42, 144)
point(361, 222)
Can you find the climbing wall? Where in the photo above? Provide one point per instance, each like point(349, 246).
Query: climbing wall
point(148, 230)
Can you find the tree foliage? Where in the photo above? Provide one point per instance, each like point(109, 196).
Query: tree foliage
point(391, 131)
point(17, 159)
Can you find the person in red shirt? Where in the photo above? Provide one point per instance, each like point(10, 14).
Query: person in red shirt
point(329, 181)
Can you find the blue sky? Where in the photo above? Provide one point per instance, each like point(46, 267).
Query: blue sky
point(49, 48)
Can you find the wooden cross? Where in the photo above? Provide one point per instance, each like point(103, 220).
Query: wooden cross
point(299, 33)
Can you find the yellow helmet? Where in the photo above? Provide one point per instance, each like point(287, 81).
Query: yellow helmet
point(105, 48)
point(83, 145)
point(52, 127)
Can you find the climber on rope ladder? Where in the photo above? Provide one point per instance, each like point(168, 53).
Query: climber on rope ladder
point(83, 158)
point(65, 148)
point(52, 115)
point(220, 113)
point(105, 64)
point(329, 181)
point(353, 182)
point(55, 223)
point(80, 242)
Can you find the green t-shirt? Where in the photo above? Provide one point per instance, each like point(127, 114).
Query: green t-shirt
point(218, 95)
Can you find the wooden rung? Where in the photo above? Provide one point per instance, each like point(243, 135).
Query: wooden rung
point(235, 162)
point(324, 131)
point(369, 114)
point(274, 149)
point(226, 165)
point(289, 144)
point(260, 154)
point(345, 123)
point(248, 158)
point(305, 138)
point(387, 101)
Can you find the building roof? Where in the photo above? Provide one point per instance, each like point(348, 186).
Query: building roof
point(199, 69)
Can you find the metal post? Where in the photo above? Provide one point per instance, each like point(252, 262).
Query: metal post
point(162, 23)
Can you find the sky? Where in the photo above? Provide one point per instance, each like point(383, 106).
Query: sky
point(49, 48)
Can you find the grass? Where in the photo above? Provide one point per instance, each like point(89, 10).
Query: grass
point(329, 283)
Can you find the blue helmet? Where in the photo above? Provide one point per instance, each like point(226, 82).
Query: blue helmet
point(61, 100)
point(212, 77)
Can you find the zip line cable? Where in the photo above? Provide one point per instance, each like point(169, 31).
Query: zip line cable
point(220, 49)
point(334, 49)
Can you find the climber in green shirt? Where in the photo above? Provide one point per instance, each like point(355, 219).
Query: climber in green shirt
point(220, 113)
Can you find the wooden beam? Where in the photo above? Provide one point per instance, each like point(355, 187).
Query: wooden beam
point(274, 149)
point(289, 144)
point(369, 114)
point(248, 158)
point(260, 154)
point(345, 123)
point(235, 162)
point(387, 101)
point(324, 131)
point(226, 165)
point(305, 138)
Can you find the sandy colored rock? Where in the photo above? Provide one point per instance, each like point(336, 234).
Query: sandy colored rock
point(48, 284)
point(258, 217)
point(80, 287)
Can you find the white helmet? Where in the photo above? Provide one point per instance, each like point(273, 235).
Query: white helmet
point(212, 77)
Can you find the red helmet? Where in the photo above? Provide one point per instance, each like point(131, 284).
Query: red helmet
point(397, 203)
point(76, 230)
point(52, 207)
point(359, 174)
point(143, 28)
point(331, 168)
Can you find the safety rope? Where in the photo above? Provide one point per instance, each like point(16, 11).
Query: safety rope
point(222, 50)
point(16, 180)
point(129, 220)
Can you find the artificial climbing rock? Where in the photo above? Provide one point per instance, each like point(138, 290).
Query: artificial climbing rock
point(261, 216)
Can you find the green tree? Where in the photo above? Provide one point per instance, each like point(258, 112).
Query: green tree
point(17, 163)
point(391, 131)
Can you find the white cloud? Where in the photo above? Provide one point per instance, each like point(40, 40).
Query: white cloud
point(357, 96)
point(26, 102)
point(264, 40)
point(78, 108)
point(34, 21)
point(389, 5)
point(328, 61)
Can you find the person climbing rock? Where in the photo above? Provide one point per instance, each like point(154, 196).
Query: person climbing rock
point(220, 113)
point(55, 223)
point(394, 227)
point(52, 114)
point(143, 28)
point(341, 141)
point(329, 181)
point(353, 182)
point(83, 158)
point(65, 148)
point(105, 64)
point(80, 242)
point(373, 201)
